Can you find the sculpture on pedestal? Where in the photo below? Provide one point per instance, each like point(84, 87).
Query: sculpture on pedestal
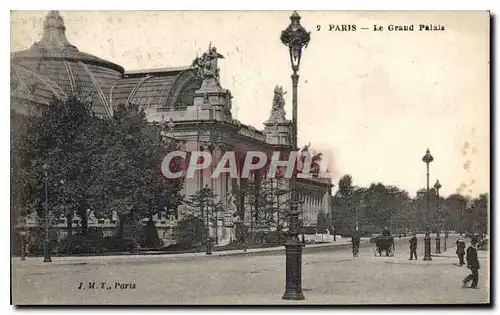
point(229, 219)
point(278, 110)
point(207, 66)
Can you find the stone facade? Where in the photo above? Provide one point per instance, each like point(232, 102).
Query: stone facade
point(190, 98)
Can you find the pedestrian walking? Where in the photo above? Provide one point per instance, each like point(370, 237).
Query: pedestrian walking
point(473, 265)
point(461, 250)
point(355, 239)
point(413, 246)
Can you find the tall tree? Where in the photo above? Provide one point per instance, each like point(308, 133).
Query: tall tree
point(129, 165)
point(322, 223)
point(64, 139)
point(203, 205)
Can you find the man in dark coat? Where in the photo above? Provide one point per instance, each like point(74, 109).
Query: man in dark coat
point(355, 239)
point(413, 247)
point(461, 250)
point(472, 264)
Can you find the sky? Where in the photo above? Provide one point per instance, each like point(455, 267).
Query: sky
point(375, 100)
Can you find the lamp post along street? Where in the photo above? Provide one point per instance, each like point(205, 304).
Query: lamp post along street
point(22, 222)
point(427, 240)
point(302, 222)
point(437, 186)
point(206, 207)
point(23, 236)
point(445, 230)
point(295, 37)
point(46, 247)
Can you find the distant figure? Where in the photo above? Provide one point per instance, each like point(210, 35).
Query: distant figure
point(355, 243)
point(461, 250)
point(386, 232)
point(413, 247)
point(472, 264)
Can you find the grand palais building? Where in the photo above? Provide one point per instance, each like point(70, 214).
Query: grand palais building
point(196, 106)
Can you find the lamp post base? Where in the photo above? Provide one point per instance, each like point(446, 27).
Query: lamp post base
point(46, 253)
point(427, 247)
point(444, 248)
point(293, 289)
point(438, 244)
point(293, 295)
point(23, 248)
point(209, 248)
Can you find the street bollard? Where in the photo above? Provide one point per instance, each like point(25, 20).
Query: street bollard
point(427, 246)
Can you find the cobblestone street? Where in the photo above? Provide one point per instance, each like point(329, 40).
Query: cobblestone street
point(330, 276)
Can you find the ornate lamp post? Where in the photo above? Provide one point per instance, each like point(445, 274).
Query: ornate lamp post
point(295, 37)
point(437, 186)
point(427, 240)
point(46, 247)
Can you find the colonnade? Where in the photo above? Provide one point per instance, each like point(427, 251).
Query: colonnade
point(311, 205)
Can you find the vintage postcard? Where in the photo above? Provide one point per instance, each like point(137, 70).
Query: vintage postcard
point(250, 157)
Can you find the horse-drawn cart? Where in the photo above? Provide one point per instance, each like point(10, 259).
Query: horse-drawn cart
point(383, 244)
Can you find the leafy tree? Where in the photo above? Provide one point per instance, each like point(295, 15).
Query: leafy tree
point(322, 223)
point(342, 203)
point(455, 206)
point(476, 215)
point(276, 204)
point(202, 203)
point(64, 138)
point(129, 162)
point(345, 186)
point(191, 231)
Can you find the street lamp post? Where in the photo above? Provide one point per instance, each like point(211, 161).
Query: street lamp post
point(295, 37)
point(437, 186)
point(46, 247)
point(206, 207)
point(302, 222)
point(427, 240)
point(361, 205)
point(23, 236)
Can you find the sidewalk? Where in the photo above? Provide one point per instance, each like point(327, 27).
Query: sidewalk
point(451, 253)
point(344, 242)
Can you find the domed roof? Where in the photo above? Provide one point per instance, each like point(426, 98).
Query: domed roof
point(60, 66)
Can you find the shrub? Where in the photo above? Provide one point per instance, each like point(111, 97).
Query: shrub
point(119, 244)
point(275, 237)
point(190, 232)
point(82, 244)
point(241, 233)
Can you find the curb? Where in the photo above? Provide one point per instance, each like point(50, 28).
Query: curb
point(304, 249)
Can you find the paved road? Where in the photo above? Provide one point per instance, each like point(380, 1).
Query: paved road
point(329, 276)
